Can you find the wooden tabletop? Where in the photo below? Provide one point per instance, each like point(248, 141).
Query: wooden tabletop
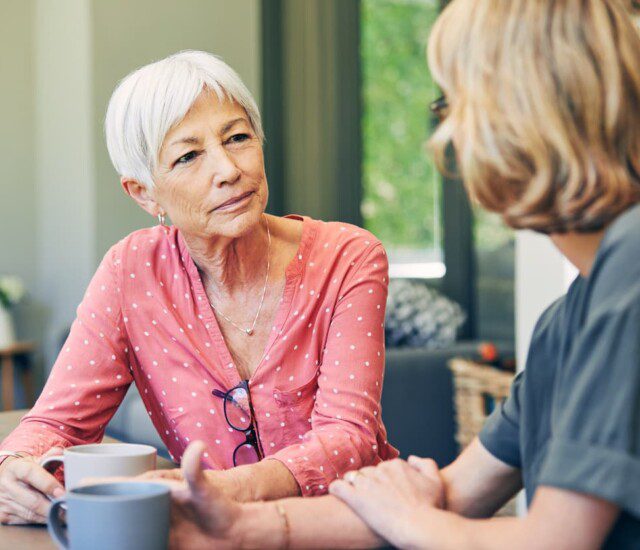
point(36, 537)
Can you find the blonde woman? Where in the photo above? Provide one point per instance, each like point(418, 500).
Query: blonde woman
point(542, 104)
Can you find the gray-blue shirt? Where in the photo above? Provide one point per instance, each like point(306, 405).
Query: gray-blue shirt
point(572, 420)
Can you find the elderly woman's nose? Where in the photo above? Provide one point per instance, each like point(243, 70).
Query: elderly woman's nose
point(225, 170)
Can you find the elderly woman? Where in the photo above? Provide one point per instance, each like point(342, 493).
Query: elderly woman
point(542, 105)
point(262, 336)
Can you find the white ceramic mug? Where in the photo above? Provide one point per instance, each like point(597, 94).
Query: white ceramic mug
point(103, 460)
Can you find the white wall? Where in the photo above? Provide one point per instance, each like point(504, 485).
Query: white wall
point(65, 168)
point(18, 212)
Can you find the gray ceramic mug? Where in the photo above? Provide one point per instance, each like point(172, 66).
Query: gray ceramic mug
point(104, 460)
point(126, 516)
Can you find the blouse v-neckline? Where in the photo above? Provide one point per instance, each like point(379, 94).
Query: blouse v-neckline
point(293, 273)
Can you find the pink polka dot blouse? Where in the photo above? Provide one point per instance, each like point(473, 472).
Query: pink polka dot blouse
point(145, 318)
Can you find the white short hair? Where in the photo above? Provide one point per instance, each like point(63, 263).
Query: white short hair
point(151, 100)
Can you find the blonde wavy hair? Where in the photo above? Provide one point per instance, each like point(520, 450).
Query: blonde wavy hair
point(544, 108)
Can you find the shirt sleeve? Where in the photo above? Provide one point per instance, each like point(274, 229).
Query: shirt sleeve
point(345, 418)
point(500, 434)
point(89, 378)
point(595, 446)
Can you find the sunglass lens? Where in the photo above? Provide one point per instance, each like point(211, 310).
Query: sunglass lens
point(245, 454)
point(238, 410)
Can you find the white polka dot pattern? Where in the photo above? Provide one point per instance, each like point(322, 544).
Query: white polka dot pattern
point(316, 393)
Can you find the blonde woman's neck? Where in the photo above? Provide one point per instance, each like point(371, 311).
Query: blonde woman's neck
point(579, 248)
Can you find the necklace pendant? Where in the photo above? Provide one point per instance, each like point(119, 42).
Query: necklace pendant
point(249, 331)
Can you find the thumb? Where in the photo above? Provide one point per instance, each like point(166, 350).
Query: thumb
point(192, 469)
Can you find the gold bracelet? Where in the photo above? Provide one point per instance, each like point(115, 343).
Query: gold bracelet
point(8, 454)
point(287, 528)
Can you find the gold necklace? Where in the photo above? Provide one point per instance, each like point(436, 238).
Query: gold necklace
point(250, 331)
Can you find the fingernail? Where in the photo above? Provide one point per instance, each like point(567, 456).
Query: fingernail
point(58, 492)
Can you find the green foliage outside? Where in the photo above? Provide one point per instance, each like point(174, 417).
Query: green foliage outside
point(401, 195)
point(401, 185)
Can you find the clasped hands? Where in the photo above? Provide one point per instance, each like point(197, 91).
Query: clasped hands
point(389, 498)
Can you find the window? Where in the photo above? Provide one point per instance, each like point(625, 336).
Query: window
point(402, 191)
point(371, 57)
point(401, 201)
point(494, 247)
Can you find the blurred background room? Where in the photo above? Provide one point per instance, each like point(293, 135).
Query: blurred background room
point(344, 92)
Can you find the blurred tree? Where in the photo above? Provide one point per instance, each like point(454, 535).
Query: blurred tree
point(401, 185)
point(401, 196)
point(401, 201)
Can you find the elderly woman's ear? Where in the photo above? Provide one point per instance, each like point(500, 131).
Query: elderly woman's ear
point(141, 194)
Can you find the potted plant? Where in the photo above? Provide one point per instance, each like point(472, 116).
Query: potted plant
point(11, 292)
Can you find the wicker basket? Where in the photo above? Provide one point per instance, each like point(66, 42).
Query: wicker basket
point(478, 389)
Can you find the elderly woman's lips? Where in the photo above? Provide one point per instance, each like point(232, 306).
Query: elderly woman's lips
point(235, 201)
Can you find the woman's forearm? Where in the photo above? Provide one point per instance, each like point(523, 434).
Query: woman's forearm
point(326, 522)
point(443, 530)
point(477, 484)
point(320, 522)
point(557, 519)
point(265, 480)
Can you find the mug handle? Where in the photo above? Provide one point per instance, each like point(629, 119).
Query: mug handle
point(57, 458)
point(56, 529)
point(49, 460)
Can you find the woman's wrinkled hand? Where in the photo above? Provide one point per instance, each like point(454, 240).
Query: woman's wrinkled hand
point(174, 474)
point(201, 516)
point(220, 480)
point(26, 489)
point(391, 496)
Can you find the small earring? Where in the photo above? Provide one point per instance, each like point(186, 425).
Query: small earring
point(162, 220)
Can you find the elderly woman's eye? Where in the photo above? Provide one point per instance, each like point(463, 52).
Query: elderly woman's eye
point(184, 159)
point(238, 138)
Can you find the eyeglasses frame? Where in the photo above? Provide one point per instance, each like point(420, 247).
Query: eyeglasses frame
point(250, 433)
